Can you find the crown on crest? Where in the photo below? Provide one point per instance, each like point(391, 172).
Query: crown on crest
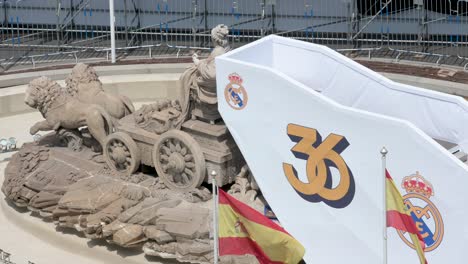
point(235, 78)
point(415, 183)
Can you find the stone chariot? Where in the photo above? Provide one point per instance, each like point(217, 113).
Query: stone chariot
point(182, 151)
point(182, 157)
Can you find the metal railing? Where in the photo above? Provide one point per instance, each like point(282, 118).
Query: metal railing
point(55, 31)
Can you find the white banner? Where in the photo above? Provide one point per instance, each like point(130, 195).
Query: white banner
point(318, 163)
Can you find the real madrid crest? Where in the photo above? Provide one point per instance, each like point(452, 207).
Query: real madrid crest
point(423, 211)
point(240, 228)
point(235, 94)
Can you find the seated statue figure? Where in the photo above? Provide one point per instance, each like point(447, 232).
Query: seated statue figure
point(83, 83)
point(199, 81)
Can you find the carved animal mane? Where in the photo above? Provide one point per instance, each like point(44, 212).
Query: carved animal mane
point(46, 92)
point(81, 73)
point(219, 35)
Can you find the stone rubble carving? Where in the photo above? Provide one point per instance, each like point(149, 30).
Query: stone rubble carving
point(73, 191)
point(164, 208)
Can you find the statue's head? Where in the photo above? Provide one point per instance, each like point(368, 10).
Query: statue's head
point(41, 92)
point(81, 74)
point(219, 35)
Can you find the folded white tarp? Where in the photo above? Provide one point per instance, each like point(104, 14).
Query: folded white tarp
point(441, 116)
point(318, 162)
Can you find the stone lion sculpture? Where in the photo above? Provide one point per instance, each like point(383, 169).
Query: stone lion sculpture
point(61, 110)
point(83, 83)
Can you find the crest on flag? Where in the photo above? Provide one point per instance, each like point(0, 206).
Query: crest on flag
point(240, 228)
point(423, 211)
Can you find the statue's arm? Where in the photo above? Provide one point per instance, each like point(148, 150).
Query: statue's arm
point(195, 59)
point(43, 126)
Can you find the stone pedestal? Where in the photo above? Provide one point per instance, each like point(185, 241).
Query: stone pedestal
point(221, 153)
point(206, 112)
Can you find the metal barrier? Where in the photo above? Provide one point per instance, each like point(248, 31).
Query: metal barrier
point(55, 31)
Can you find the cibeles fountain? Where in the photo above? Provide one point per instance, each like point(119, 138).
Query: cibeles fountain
point(134, 178)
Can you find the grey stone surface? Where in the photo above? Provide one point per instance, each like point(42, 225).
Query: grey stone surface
point(459, 89)
point(138, 87)
point(135, 69)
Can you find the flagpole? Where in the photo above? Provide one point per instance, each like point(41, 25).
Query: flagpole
point(384, 153)
point(215, 216)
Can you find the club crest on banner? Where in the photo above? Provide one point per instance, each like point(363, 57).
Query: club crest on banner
point(423, 211)
point(235, 94)
point(240, 228)
point(320, 156)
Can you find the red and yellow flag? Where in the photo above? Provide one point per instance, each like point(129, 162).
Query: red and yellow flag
point(243, 230)
point(400, 218)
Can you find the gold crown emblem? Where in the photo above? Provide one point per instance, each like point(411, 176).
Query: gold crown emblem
point(235, 78)
point(416, 183)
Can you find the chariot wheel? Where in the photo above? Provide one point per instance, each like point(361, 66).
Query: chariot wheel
point(179, 161)
point(121, 153)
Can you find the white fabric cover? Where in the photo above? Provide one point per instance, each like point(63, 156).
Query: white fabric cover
point(441, 116)
point(280, 77)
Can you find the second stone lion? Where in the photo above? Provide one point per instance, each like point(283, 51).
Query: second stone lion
point(83, 83)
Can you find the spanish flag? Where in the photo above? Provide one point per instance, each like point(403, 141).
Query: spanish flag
point(243, 230)
point(400, 218)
